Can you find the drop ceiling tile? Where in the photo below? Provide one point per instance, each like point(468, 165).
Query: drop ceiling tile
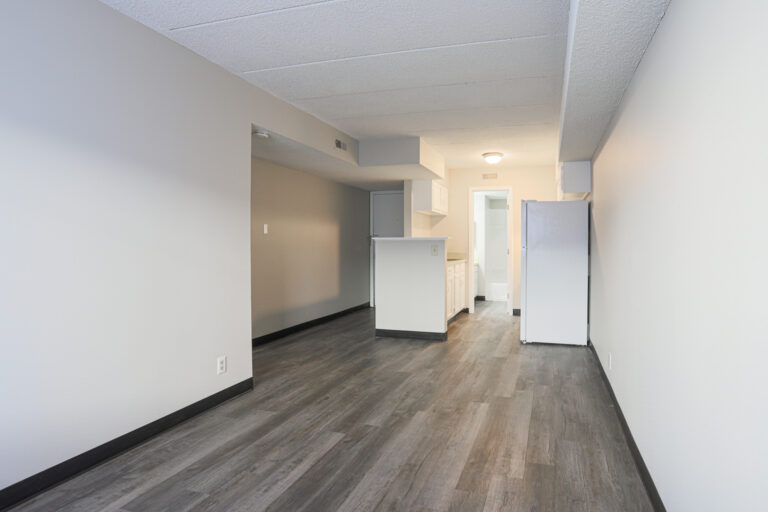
point(467, 76)
point(415, 123)
point(521, 91)
point(171, 14)
point(517, 152)
point(479, 63)
point(607, 46)
point(348, 28)
point(492, 135)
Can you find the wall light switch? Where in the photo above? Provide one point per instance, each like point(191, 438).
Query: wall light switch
point(266, 229)
point(434, 250)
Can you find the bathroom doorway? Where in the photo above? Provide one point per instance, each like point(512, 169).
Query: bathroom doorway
point(490, 249)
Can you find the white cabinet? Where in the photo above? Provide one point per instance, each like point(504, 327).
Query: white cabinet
point(430, 197)
point(455, 287)
point(574, 180)
point(459, 286)
point(442, 203)
point(450, 293)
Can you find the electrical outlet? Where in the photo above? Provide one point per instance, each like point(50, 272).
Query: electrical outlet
point(221, 365)
point(610, 361)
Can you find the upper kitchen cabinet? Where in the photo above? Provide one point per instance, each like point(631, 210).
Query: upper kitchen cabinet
point(574, 180)
point(430, 197)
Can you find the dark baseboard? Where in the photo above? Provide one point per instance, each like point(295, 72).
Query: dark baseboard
point(418, 335)
point(548, 344)
point(57, 474)
point(516, 312)
point(454, 317)
point(645, 475)
point(480, 298)
point(306, 325)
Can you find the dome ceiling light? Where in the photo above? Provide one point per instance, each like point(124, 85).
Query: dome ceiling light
point(493, 158)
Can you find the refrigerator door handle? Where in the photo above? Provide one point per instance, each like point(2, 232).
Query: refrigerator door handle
point(523, 270)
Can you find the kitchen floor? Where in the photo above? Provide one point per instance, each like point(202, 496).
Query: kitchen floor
point(340, 420)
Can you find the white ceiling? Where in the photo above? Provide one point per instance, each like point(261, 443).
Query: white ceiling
point(468, 76)
point(607, 40)
point(289, 153)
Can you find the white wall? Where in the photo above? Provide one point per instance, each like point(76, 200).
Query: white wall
point(315, 259)
point(416, 224)
point(479, 232)
point(421, 224)
point(528, 183)
point(496, 259)
point(490, 217)
point(125, 237)
point(679, 252)
point(410, 285)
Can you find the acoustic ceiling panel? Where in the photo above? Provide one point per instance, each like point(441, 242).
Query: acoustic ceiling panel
point(415, 123)
point(530, 57)
point(355, 28)
point(608, 42)
point(169, 15)
point(389, 67)
point(521, 91)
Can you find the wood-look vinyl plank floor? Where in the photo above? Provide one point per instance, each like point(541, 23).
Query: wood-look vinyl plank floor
point(340, 420)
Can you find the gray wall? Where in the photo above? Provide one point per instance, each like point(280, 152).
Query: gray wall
point(124, 227)
point(315, 259)
point(679, 252)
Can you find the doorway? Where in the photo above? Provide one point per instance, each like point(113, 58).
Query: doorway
point(386, 220)
point(490, 247)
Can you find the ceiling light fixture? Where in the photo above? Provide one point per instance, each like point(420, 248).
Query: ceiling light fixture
point(493, 158)
point(261, 135)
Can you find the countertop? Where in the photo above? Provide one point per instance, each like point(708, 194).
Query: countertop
point(408, 239)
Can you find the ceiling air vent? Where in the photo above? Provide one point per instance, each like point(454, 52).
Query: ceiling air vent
point(490, 176)
point(341, 145)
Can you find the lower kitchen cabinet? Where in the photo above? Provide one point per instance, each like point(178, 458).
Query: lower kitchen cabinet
point(455, 287)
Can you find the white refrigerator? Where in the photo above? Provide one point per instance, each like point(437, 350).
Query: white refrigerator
point(555, 272)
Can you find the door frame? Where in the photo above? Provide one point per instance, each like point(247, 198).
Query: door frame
point(471, 245)
point(371, 251)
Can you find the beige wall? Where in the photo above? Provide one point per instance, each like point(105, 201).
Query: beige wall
point(421, 224)
point(527, 183)
point(315, 259)
point(679, 252)
point(416, 224)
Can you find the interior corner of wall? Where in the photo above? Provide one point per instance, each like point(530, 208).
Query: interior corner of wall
point(432, 159)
